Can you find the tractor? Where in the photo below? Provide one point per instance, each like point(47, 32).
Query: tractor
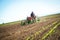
point(29, 20)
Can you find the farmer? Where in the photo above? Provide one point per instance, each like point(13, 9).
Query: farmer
point(33, 17)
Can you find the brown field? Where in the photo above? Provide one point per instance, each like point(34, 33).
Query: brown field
point(35, 31)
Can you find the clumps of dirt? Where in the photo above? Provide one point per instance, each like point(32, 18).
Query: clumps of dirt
point(59, 38)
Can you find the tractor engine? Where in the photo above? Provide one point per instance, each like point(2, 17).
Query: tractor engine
point(29, 20)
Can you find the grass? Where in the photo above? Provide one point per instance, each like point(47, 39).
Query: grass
point(49, 16)
point(10, 23)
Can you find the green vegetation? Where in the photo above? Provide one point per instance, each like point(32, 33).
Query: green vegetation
point(10, 23)
point(38, 32)
point(50, 32)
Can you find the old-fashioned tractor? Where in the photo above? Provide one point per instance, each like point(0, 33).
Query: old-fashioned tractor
point(29, 20)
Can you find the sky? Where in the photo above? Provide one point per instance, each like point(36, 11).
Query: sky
point(13, 10)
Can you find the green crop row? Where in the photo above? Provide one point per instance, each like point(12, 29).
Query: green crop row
point(38, 32)
point(51, 31)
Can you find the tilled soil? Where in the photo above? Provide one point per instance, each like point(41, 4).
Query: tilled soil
point(18, 32)
point(55, 35)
